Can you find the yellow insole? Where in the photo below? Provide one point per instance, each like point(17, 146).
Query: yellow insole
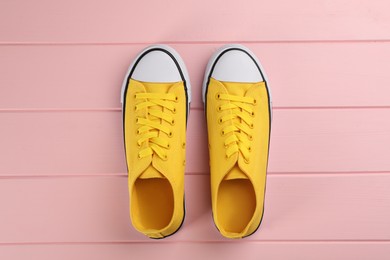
point(152, 203)
point(236, 204)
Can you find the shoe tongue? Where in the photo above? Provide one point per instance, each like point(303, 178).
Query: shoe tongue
point(238, 89)
point(150, 173)
point(235, 173)
point(152, 87)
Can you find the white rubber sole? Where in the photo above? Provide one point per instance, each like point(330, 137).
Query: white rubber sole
point(214, 58)
point(178, 59)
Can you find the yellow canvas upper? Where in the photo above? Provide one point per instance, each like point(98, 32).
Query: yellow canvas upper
point(238, 120)
point(155, 116)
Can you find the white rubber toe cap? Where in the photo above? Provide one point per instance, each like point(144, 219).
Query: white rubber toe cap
point(156, 66)
point(236, 66)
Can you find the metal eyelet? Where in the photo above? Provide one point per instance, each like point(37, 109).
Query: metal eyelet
point(220, 121)
point(168, 146)
point(218, 96)
point(165, 158)
point(250, 149)
point(183, 145)
point(222, 132)
point(250, 137)
point(170, 134)
point(219, 109)
point(173, 122)
point(176, 99)
point(253, 114)
point(255, 102)
point(174, 110)
point(251, 126)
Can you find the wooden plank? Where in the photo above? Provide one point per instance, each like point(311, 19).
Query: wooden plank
point(91, 143)
point(95, 209)
point(150, 21)
point(226, 251)
point(301, 74)
point(61, 143)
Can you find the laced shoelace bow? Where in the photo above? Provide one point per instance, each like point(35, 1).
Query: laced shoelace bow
point(242, 115)
point(150, 128)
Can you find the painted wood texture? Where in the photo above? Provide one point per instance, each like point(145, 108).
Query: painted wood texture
point(207, 250)
point(95, 209)
point(90, 77)
point(191, 20)
point(63, 189)
point(91, 142)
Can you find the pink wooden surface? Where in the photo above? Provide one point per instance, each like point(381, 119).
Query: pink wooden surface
point(192, 20)
point(94, 209)
point(90, 142)
point(178, 250)
point(90, 77)
point(63, 188)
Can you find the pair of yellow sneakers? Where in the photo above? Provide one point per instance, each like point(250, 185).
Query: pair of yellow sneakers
point(156, 96)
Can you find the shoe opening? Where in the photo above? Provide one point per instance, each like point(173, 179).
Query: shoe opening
point(152, 203)
point(236, 204)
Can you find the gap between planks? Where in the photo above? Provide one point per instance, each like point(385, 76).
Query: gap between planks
point(269, 174)
point(337, 41)
point(242, 241)
point(116, 109)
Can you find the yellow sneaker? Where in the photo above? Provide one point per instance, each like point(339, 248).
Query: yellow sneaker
point(238, 110)
point(155, 100)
